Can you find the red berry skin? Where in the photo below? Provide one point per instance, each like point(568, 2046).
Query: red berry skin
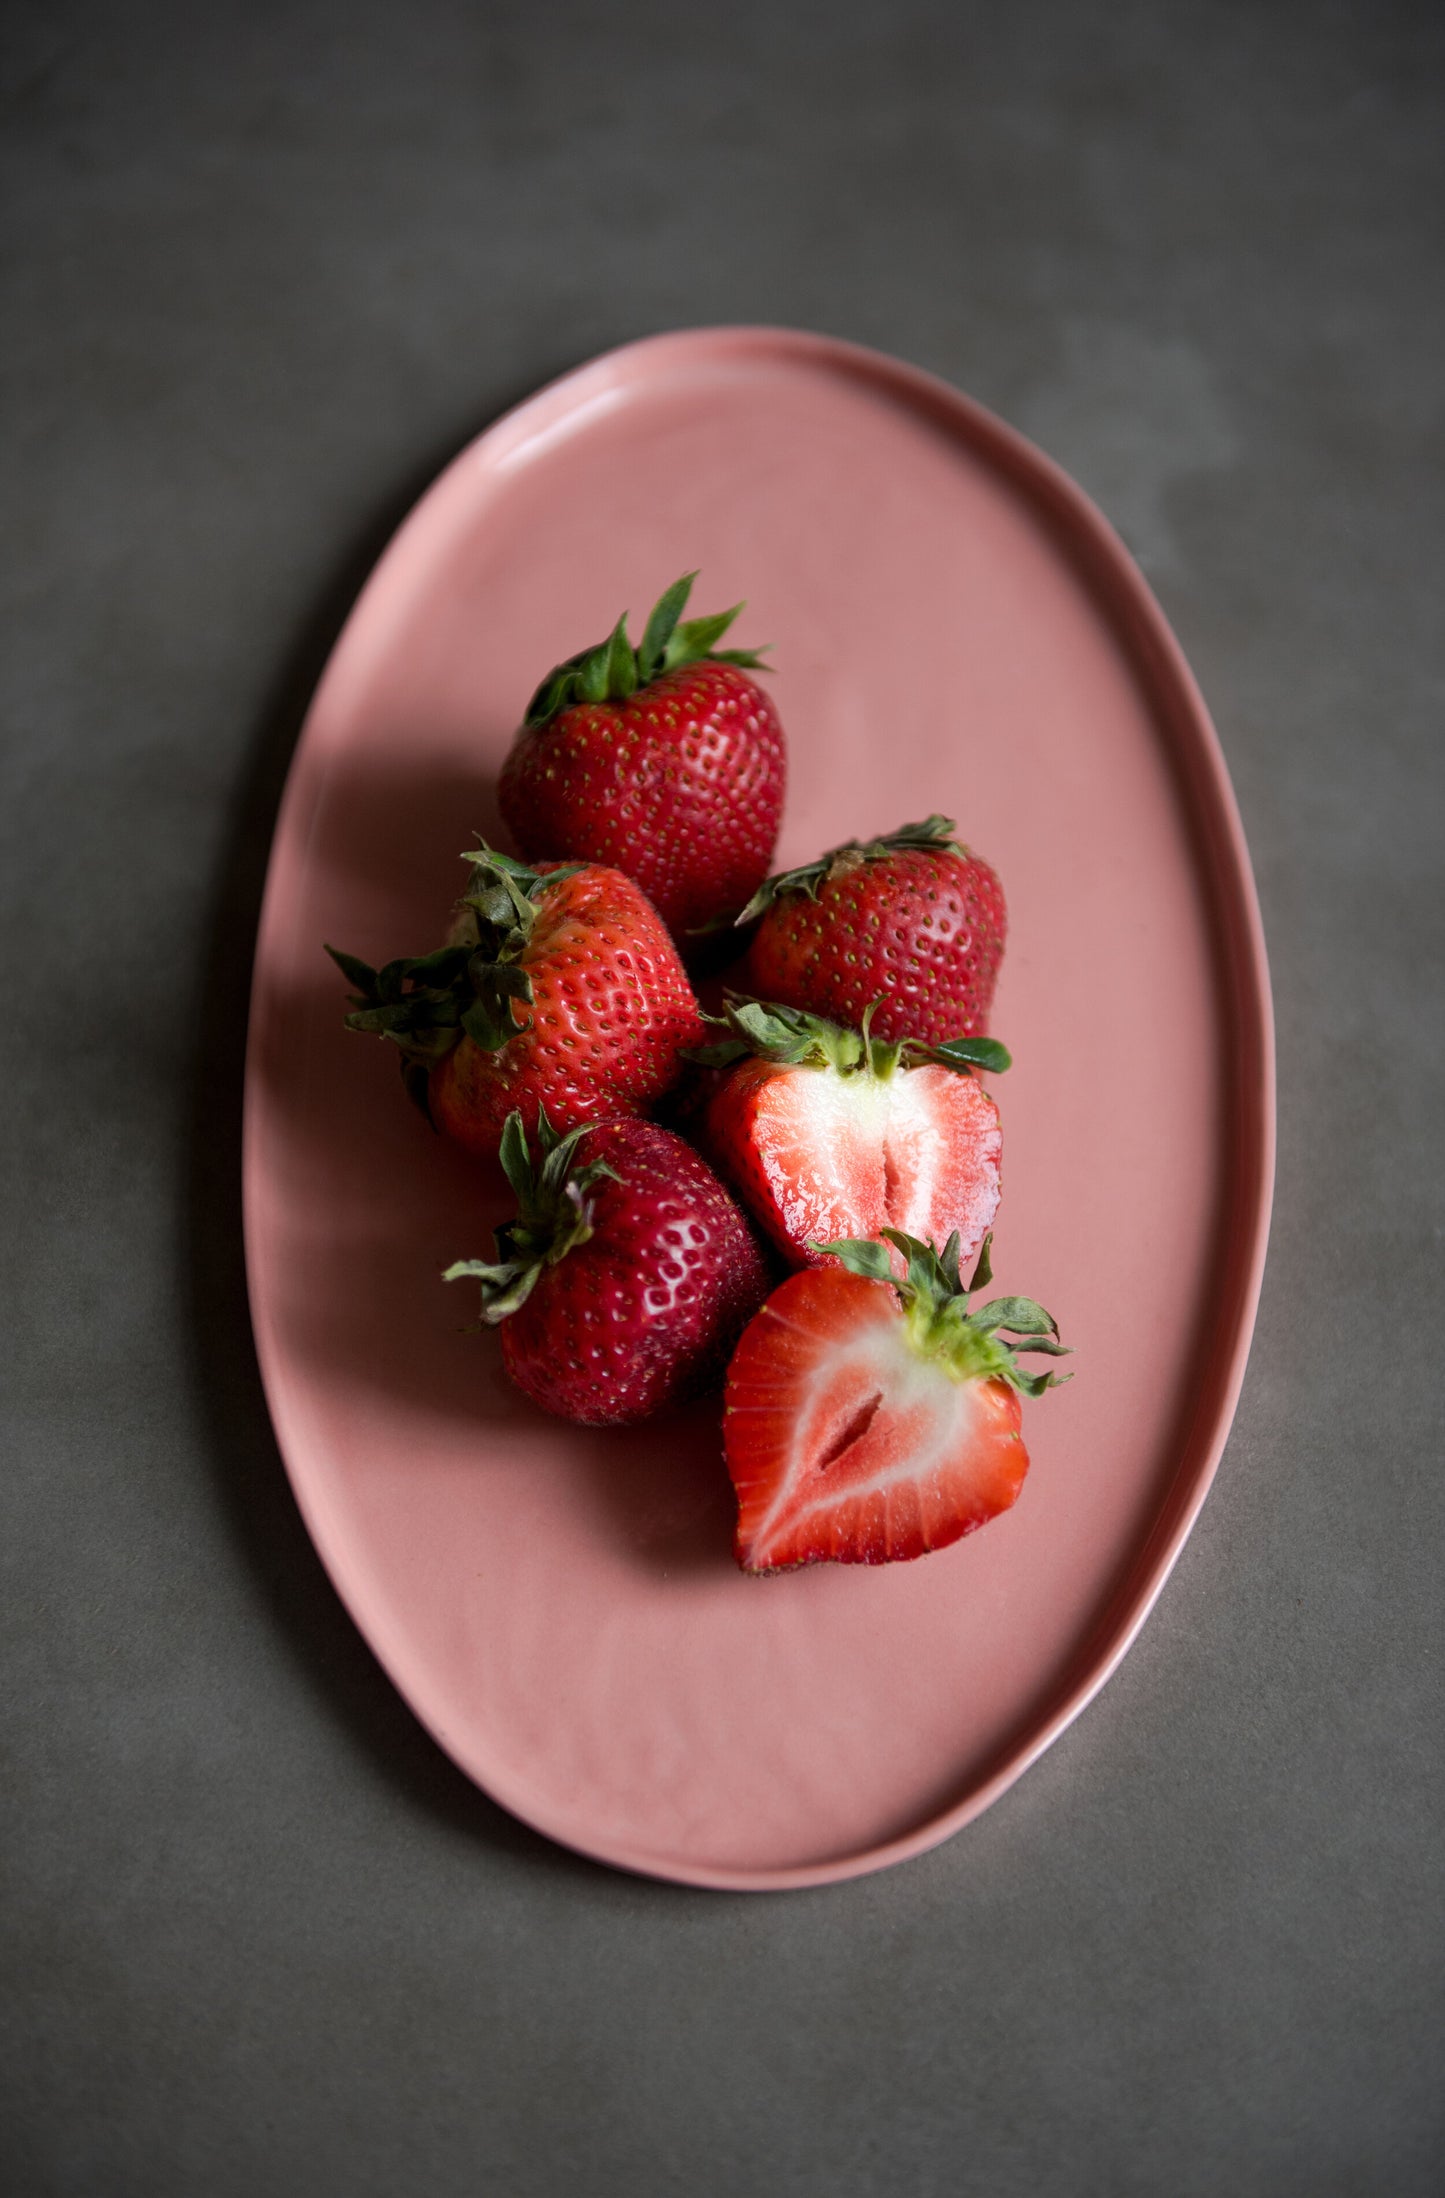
point(611, 1004)
point(643, 1314)
point(921, 930)
point(845, 1447)
point(817, 1156)
point(680, 786)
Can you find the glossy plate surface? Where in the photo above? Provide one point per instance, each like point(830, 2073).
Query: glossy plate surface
point(955, 628)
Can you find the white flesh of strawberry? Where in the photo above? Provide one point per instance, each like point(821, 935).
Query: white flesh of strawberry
point(872, 1152)
point(881, 1417)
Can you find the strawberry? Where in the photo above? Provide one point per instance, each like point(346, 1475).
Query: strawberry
point(835, 1133)
point(913, 920)
point(870, 1419)
point(665, 760)
point(559, 988)
point(624, 1281)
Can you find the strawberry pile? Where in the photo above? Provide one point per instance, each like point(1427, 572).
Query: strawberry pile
point(830, 1124)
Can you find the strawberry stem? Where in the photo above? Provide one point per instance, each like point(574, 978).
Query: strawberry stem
point(470, 987)
point(969, 1346)
point(934, 835)
point(768, 1031)
point(554, 1214)
point(613, 670)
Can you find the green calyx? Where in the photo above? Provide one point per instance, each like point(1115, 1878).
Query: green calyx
point(554, 1215)
point(933, 836)
point(468, 988)
point(969, 1346)
point(613, 670)
point(788, 1035)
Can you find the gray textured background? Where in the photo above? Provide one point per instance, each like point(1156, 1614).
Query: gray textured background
point(265, 268)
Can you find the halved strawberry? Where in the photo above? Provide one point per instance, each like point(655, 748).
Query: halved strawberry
point(870, 1419)
point(559, 989)
point(622, 1283)
point(829, 1132)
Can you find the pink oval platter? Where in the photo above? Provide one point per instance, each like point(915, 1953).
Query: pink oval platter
point(955, 628)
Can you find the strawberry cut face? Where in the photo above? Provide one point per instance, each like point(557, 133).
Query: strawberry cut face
point(848, 1445)
point(820, 1155)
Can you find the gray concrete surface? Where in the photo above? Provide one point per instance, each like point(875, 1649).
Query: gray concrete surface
point(264, 269)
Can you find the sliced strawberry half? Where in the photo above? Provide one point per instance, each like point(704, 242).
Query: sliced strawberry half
point(870, 1419)
point(831, 1133)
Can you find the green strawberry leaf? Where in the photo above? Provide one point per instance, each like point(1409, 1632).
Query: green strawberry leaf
point(360, 975)
point(983, 1268)
point(554, 1214)
point(613, 670)
point(791, 1036)
point(696, 637)
point(967, 1053)
point(940, 1326)
point(488, 1027)
point(620, 667)
point(724, 1054)
point(515, 1159)
point(666, 612)
point(1020, 1315)
point(425, 1003)
point(925, 1277)
point(506, 1285)
point(1034, 1385)
point(934, 833)
point(861, 1255)
point(768, 1031)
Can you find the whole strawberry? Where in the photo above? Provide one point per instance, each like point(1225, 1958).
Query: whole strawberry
point(626, 1277)
point(830, 1133)
point(665, 761)
point(559, 989)
point(914, 922)
point(872, 1418)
